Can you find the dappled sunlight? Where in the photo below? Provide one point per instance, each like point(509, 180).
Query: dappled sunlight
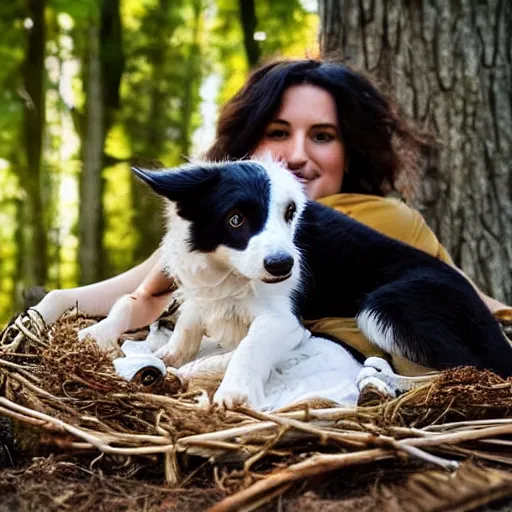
point(178, 65)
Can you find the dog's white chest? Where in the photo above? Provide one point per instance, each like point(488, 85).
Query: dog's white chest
point(225, 322)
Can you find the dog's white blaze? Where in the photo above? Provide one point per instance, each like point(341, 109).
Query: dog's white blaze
point(276, 235)
point(377, 332)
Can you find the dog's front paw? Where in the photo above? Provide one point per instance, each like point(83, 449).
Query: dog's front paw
point(230, 398)
point(238, 391)
point(170, 356)
point(103, 333)
point(377, 373)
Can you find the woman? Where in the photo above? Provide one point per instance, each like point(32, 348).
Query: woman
point(340, 136)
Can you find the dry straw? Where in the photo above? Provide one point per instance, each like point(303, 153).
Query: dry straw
point(67, 394)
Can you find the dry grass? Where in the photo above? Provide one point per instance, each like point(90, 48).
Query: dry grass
point(64, 398)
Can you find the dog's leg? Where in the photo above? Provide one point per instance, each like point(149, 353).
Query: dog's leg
point(377, 372)
point(269, 339)
point(435, 323)
point(185, 340)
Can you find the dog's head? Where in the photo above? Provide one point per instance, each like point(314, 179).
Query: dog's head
point(243, 214)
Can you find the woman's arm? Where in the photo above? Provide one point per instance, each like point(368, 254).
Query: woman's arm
point(134, 310)
point(150, 299)
point(98, 298)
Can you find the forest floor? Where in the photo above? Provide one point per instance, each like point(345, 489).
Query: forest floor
point(58, 483)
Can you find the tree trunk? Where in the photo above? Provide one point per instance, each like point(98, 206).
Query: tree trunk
point(249, 22)
point(193, 77)
point(34, 247)
point(91, 256)
point(147, 208)
point(105, 64)
point(449, 66)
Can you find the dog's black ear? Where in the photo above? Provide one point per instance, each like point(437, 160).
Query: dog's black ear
point(177, 183)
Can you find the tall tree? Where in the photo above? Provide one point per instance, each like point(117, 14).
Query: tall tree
point(192, 79)
point(449, 66)
point(103, 71)
point(33, 252)
point(13, 163)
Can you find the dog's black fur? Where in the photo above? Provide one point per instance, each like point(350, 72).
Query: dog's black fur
point(436, 316)
point(438, 319)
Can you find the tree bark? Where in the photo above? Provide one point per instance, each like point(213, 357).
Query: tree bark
point(449, 64)
point(33, 252)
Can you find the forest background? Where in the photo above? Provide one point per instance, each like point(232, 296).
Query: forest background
point(89, 86)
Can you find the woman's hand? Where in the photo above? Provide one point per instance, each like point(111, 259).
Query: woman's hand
point(130, 312)
point(493, 304)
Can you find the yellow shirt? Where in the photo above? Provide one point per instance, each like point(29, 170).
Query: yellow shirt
point(396, 220)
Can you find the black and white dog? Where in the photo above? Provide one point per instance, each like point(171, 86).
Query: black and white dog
point(253, 257)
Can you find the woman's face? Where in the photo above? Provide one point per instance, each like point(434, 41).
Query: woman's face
point(305, 134)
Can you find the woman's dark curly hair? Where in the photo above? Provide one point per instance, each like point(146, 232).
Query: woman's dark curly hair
point(383, 150)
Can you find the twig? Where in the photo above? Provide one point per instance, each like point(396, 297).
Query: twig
point(427, 457)
point(172, 468)
point(33, 387)
point(265, 499)
point(32, 337)
point(230, 432)
point(264, 450)
point(475, 423)
point(315, 465)
point(24, 418)
point(82, 434)
point(458, 437)
point(323, 435)
point(19, 368)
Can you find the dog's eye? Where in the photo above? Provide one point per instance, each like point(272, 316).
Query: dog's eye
point(236, 220)
point(290, 212)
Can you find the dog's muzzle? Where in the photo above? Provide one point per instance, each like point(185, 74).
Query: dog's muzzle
point(279, 266)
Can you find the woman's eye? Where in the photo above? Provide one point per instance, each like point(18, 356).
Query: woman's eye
point(277, 134)
point(323, 137)
point(236, 220)
point(290, 212)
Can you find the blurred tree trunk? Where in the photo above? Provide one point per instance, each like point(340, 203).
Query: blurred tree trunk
point(147, 215)
point(33, 236)
point(91, 256)
point(449, 64)
point(104, 68)
point(249, 22)
point(192, 79)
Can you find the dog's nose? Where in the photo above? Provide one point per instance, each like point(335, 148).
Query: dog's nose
point(279, 264)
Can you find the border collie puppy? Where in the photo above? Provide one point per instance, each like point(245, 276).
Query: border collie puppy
point(230, 246)
point(252, 257)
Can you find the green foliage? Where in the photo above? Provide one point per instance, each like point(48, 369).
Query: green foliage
point(12, 45)
point(170, 47)
point(12, 51)
point(288, 28)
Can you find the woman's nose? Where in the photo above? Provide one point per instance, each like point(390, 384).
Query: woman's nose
point(296, 156)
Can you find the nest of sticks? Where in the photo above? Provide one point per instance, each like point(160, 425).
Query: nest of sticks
point(445, 442)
